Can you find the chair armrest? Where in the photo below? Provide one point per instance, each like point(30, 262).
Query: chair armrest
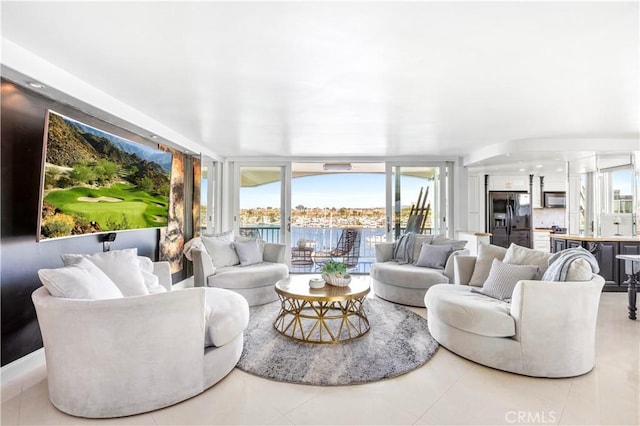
point(556, 317)
point(202, 267)
point(384, 252)
point(463, 267)
point(162, 270)
point(449, 266)
point(274, 252)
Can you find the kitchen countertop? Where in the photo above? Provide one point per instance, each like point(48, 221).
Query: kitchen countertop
point(595, 238)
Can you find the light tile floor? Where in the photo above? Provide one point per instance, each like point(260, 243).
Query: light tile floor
point(446, 390)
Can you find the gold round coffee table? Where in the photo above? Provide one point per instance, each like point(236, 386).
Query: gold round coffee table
point(324, 315)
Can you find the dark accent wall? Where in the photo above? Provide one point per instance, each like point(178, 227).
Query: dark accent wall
point(23, 119)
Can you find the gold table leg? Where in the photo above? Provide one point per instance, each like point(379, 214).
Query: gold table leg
point(322, 322)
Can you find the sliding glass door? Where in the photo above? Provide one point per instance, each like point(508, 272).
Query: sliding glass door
point(263, 202)
point(417, 198)
point(321, 210)
point(338, 213)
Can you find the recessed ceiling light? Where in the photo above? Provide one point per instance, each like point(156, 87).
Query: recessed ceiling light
point(508, 155)
point(522, 170)
point(36, 85)
point(539, 166)
point(153, 136)
point(560, 169)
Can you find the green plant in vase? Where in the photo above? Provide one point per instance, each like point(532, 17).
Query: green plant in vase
point(335, 273)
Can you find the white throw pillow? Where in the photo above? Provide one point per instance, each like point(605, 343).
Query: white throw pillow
point(83, 280)
point(579, 270)
point(151, 281)
point(243, 239)
point(220, 249)
point(518, 255)
point(248, 252)
point(122, 266)
point(434, 256)
point(503, 278)
point(486, 254)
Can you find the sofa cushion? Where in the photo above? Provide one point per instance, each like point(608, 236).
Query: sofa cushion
point(226, 316)
point(518, 255)
point(82, 280)
point(151, 281)
point(409, 276)
point(121, 266)
point(420, 240)
point(220, 249)
point(441, 240)
point(248, 252)
point(486, 254)
point(579, 270)
point(503, 278)
point(433, 256)
point(252, 276)
point(459, 307)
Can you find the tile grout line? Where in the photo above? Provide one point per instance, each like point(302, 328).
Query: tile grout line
point(442, 395)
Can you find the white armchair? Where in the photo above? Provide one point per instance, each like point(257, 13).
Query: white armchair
point(548, 329)
point(255, 282)
point(124, 356)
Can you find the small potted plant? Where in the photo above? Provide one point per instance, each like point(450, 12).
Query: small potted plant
point(335, 273)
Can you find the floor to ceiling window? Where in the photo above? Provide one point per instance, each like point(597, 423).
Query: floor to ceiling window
point(338, 209)
point(419, 195)
point(261, 202)
point(324, 210)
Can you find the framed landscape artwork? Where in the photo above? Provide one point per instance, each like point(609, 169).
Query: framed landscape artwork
point(94, 181)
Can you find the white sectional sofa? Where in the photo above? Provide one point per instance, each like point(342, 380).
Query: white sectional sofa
point(407, 283)
point(253, 275)
point(113, 355)
point(547, 329)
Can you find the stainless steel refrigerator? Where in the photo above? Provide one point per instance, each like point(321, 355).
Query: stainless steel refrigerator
point(510, 218)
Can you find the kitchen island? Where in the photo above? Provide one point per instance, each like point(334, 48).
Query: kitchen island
point(605, 250)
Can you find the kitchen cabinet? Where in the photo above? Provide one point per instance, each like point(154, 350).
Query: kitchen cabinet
point(509, 182)
point(605, 250)
point(542, 241)
point(605, 253)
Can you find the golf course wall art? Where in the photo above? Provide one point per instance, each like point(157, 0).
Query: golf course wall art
point(93, 181)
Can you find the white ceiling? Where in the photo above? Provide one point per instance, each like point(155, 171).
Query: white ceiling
point(357, 79)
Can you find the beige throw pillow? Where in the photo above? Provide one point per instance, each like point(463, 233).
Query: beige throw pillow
point(579, 270)
point(518, 255)
point(486, 254)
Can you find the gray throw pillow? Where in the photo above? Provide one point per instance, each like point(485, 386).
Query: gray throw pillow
point(249, 252)
point(433, 256)
point(440, 240)
point(503, 278)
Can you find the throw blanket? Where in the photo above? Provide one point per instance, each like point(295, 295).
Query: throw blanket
point(559, 263)
point(403, 248)
point(195, 243)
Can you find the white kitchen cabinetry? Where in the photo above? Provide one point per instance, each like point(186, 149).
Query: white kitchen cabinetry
point(508, 182)
point(557, 183)
point(542, 241)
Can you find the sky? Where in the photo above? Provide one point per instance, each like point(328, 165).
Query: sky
point(355, 190)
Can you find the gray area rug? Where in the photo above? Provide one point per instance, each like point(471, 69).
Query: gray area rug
point(397, 343)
